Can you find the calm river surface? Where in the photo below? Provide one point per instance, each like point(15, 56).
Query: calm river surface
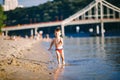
point(90, 58)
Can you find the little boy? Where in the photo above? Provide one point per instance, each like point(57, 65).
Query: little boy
point(58, 42)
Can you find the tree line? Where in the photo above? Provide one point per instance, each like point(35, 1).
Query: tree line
point(2, 18)
point(50, 11)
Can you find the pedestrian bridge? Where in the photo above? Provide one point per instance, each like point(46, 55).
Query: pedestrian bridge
point(98, 11)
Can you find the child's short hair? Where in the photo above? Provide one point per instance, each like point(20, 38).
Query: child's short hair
point(57, 29)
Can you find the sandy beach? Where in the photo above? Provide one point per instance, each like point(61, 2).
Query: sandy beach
point(23, 59)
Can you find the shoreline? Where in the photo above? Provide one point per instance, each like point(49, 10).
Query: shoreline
point(24, 59)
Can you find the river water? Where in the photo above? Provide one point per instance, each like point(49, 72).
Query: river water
point(90, 58)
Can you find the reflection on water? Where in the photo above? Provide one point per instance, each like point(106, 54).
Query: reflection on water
point(59, 70)
point(95, 58)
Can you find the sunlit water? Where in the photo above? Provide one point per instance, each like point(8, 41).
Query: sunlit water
point(92, 58)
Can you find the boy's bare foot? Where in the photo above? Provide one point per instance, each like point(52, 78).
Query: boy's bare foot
point(63, 63)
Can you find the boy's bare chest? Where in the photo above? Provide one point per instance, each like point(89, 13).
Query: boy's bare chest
point(57, 41)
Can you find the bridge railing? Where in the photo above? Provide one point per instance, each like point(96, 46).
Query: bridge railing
point(92, 4)
point(84, 13)
point(111, 6)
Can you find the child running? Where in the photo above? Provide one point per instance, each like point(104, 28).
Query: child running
point(58, 42)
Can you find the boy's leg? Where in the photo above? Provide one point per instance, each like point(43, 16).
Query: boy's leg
point(58, 57)
point(63, 58)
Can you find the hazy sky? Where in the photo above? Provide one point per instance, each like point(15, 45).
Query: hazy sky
point(28, 3)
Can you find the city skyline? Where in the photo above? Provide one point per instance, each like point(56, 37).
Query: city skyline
point(29, 3)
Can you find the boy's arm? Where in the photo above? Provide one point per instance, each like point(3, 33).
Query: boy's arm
point(51, 44)
point(61, 41)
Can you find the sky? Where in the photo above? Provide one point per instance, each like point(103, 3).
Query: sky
point(29, 3)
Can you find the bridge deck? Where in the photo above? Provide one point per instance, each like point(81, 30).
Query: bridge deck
point(57, 23)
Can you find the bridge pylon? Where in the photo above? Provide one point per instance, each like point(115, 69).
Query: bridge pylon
point(98, 11)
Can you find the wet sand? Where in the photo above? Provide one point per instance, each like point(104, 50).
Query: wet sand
point(23, 59)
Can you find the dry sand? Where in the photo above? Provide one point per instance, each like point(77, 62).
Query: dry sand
point(23, 59)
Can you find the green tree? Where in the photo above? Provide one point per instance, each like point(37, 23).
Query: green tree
point(2, 18)
point(49, 11)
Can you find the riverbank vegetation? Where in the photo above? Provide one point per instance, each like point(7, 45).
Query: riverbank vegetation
point(2, 18)
point(55, 10)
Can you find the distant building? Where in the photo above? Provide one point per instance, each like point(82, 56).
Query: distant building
point(10, 4)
